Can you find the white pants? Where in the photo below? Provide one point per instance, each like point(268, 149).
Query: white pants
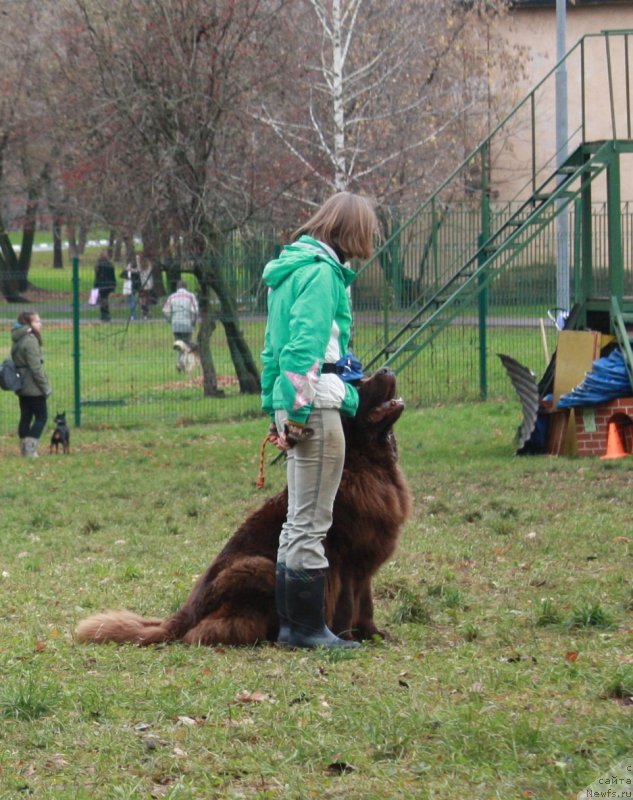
point(314, 469)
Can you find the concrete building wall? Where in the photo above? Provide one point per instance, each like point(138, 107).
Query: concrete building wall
point(534, 27)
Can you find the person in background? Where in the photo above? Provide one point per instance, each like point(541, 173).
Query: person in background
point(131, 287)
point(147, 283)
point(26, 352)
point(181, 310)
point(105, 282)
point(307, 332)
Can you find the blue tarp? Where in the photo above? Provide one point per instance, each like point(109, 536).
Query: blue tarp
point(607, 380)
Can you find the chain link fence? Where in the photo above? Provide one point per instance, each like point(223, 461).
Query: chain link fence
point(124, 372)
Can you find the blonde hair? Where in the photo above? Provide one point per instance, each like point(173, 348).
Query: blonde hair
point(347, 222)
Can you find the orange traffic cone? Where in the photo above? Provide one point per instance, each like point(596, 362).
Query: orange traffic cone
point(615, 448)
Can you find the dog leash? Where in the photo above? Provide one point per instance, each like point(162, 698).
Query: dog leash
point(260, 476)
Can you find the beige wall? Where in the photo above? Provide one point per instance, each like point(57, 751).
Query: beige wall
point(536, 30)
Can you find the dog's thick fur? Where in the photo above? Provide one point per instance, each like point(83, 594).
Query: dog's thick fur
point(188, 355)
point(233, 603)
point(61, 435)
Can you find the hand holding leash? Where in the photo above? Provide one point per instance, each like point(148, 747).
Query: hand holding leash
point(294, 433)
point(274, 437)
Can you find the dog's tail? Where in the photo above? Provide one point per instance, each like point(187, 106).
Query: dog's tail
point(123, 626)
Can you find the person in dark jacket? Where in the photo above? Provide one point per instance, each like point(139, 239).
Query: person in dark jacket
point(131, 287)
point(26, 352)
point(105, 282)
point(307, 332)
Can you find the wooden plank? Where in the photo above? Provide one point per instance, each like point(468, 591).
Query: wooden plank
point(575, 353)
point(557, 435)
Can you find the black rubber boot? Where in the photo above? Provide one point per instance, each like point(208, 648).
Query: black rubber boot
point(305, 595)
point(280, 601)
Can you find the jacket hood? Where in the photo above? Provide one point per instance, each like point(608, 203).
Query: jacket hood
point(18, 332)
point(305, 250)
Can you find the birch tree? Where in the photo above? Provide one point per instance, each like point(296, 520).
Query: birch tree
point(381, 92)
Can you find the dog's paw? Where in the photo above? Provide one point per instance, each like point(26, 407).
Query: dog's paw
point(372, 633)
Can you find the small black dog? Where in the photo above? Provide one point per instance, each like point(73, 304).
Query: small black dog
point(61, 434)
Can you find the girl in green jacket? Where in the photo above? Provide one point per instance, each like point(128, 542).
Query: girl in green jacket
point(307, 332)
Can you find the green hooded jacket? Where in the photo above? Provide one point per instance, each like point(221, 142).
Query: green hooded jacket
point(26, 353)
point(308, 314)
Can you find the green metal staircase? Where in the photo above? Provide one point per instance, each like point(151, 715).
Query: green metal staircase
point(493, 255)
point(554, 182)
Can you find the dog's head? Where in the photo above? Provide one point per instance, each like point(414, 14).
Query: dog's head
point(378, 411)
point(60, 418)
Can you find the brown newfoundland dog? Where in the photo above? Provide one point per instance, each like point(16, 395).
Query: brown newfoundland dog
point(233, 603)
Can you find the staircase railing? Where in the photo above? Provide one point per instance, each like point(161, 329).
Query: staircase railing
point(494, 254)
point(506, 177)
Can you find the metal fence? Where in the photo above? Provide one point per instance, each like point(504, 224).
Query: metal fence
point(123, 372)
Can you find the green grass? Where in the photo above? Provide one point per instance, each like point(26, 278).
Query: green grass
point(509, 602)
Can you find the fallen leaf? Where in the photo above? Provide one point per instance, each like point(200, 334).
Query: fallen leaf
point(571, 656)
point(251, 697)
point(514, 659)
point(186, 720)
point(56, 761)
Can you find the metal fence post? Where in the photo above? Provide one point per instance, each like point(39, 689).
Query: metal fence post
point(483, 278)
point(76, 344)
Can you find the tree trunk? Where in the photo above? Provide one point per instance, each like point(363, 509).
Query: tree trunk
point(73, 249)
point(28, 237)
point(14, 269)
point(83, 238)
point(58, 253)
point(246, 370)
point(210, 386)
point(9, 283)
